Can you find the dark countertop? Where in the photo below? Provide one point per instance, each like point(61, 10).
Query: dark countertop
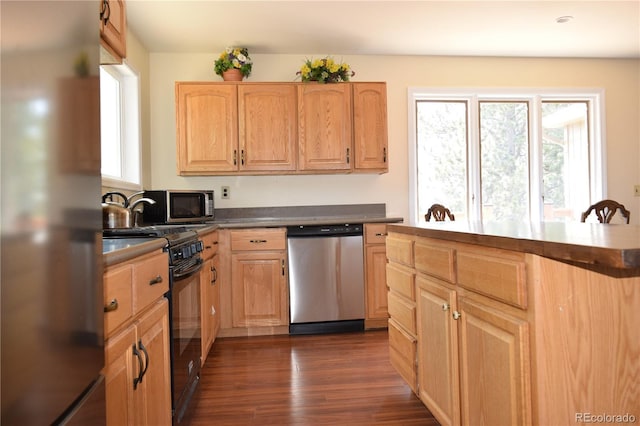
point(294, 221)
point(117, 250)
point(609, 245)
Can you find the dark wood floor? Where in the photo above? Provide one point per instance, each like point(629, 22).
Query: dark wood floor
point(337, 379)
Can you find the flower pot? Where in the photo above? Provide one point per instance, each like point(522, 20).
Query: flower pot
point(232, 74)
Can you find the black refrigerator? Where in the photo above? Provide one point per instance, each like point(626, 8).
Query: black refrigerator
point(51, 341)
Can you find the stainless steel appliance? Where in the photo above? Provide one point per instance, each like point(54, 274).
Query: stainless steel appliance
point(326, 278)
point(51, 277)
point(178, 206)
point(184, 250)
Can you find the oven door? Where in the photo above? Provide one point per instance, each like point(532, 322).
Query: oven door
point(185, 340)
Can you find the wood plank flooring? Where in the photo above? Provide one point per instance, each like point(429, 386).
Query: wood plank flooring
point(336, 379)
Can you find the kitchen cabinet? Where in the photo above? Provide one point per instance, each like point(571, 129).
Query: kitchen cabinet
point(472, 334)
point(113, 28)
point(324, 119)
point(209, 292)
point(137, 372)
point(79, 125)
point(254, 285)
point(237, 128)
point(268, 130)
point(402, 307)
point(375, 263)
point(370, 135)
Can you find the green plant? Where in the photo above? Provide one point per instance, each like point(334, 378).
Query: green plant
point(325, 70)
point(234, 57)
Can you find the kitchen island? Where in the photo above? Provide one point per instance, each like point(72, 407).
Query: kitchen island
point(517, 323)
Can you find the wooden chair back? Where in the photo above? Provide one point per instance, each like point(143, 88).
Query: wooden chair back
point(605, 210)
point(439, 213)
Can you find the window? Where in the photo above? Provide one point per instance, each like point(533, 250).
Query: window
point(120, 126)
point(505, 155)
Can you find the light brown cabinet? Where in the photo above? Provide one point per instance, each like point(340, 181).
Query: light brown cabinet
point(324, 116)
point(280, 128)
point(375, 264)
point(113, 28)
point(370, 135)
point(209, 293)
point(137, 371)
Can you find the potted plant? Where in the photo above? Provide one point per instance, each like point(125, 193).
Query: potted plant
point(233, 64)
point(325, 70)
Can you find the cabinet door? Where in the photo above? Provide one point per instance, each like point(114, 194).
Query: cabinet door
point(258, 290)
point(113, 27)
point(267, 121)
point(376, 282)
point(494, 362)
point(370, 126)
point(207, 127)
point(215, 295)
point(324, 125)
point(153, 401)
point(121, 366)
point(438, 371)
point(206, 299)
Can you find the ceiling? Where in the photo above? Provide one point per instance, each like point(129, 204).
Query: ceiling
point(599, 29)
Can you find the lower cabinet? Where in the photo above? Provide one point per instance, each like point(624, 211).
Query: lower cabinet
point(210, 293)
point(138, 382)
point(375, 262)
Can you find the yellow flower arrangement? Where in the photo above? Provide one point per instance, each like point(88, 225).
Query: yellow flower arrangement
point(325, 70)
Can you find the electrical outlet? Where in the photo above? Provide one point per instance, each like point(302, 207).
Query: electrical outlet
point(636, 190)
point(226, 192)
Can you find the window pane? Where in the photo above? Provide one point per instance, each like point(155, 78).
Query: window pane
point(442, 156)
point(110, 125)
point(565, 160)
point(504, 156)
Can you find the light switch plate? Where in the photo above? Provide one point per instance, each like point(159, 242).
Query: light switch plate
point(636, 190)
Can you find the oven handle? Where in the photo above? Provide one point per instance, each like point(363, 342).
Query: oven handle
point(195, 268)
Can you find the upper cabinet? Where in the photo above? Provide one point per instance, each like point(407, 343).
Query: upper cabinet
point(113, 29)
point(280, 128)
point(324, 112)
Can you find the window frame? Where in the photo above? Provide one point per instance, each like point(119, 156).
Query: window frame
point(130, 131)
point(535, 96)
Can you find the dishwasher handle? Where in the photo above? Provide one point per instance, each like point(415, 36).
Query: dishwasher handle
point(311, 231)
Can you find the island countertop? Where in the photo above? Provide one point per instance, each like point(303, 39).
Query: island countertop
point(610, 245)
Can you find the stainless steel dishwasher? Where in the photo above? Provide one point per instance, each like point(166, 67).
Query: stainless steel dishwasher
point(326, 278)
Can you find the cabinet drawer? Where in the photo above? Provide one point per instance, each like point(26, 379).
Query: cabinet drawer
point(210, 242)
point(400, 250)
point(375, 233)
point(403, 312)
point(401, 281)
point(258, 239)
point(402, 353)
point(435, 260)
point(502, 278)
point(117, 297)
point(150, 280)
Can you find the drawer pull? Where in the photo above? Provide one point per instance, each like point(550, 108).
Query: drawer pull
point(112, 306)
point(156, 280)
point(381, 234)
point(257, 241)
point(445, 307)
point(456, 315)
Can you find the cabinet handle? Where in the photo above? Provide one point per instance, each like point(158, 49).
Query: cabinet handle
point(242, 157)
point(283, 267)
point(235, 157)
point(105, 13)
point(384, 155)
point(112, 306)
point(146, 359)
point(347, 155)
point(156, 280)
point(445, 307)
point(456, 315)
point(138, 379)
point(381, 234)
point(257, 241)
point(215, 275)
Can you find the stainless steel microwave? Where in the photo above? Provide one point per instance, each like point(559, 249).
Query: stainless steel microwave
point(178, 206)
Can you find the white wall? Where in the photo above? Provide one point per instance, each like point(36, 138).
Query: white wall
point(619, 78)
